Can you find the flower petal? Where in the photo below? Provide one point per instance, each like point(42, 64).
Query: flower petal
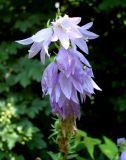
point(65, 62)
point(35, 48)
point(74, 97)
point(95, 85)
point(66, 85)
point(42, 55)
point(83, 97)
point(75, 20)
point(46, 44)
point(89, 35)
point(42, 35)
point(25, 41)
point(78, 86)
point(86, 26)
point(81, 57)
point(74, 33)
point(49, 78)
point(57, 92)
point(81, 44)
point(54, 37)
point(62, 36)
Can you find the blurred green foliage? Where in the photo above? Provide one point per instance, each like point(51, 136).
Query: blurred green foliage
point(25, 115)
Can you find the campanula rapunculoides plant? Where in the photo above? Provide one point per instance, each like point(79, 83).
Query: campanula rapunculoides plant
point(69, 78)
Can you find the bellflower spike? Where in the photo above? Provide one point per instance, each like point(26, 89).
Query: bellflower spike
point(40, 43)
point(70, 74)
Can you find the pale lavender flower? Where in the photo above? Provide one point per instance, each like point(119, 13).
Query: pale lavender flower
point(65, 29)
point(69, 64)
point(123, 155)
point(65, 108)
point(60, 104)
point(40, 43)
point(121, 141)
point(65, 77)
point(68, 32)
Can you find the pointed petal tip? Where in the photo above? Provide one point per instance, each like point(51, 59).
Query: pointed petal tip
point(26, 41)
point(95, 86)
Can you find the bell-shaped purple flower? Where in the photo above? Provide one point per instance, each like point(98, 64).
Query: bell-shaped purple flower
point(77, 74)
point(68, 32)
point(40, 43)
point(66, 77)
point(67, 108)
point(64, 29)
point(53, 83)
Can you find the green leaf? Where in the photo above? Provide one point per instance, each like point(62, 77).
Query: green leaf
point(109, 148)
point(81, 133)
point(28, 70)
point(37, 142)
point(90, 144)
point(12, 139)
point(72, 156)
point(52, 155)
point(80, 158)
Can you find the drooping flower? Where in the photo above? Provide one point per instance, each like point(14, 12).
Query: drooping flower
point(59, 102)
point(70, 64)
point(64, 29)
point(66, 77)
point(40, 43)
point(65, 108)
point(68, 31)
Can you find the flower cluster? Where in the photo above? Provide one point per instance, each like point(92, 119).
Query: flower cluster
point(70, 74)
point(121, 143)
